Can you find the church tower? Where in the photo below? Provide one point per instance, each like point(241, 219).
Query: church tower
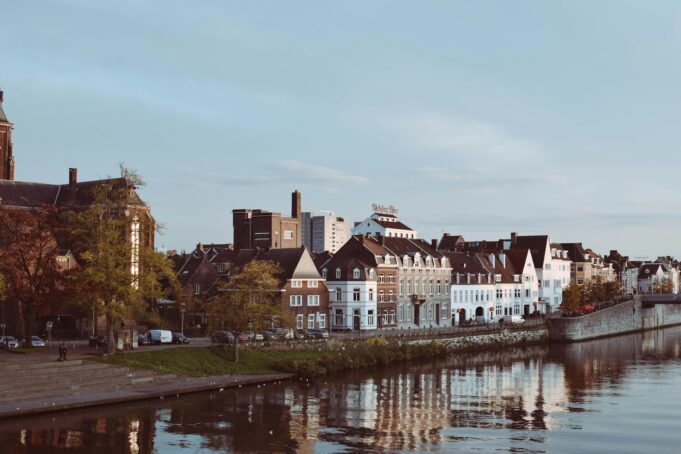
point(6, 158)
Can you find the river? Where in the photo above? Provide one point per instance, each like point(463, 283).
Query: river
point(621, 394)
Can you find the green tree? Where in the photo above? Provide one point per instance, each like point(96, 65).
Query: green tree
point(248, 301)
point(120, 271)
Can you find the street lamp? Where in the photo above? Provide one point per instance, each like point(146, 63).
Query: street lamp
point(183, 308)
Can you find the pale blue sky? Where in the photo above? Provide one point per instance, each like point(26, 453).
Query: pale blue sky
point(479, 117)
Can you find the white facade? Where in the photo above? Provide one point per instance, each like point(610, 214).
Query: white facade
point(423, 291)
point(553, 278)
point(353, 305)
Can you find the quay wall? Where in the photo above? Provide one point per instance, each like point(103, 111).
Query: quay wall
point(491, 340)
point(639, 314)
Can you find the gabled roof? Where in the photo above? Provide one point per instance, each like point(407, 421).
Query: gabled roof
point(576, 252)
point(518, 258)
point(288, 259)
point(449, 242)
point(536, 244)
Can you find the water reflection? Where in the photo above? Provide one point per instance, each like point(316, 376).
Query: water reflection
point(536, 399)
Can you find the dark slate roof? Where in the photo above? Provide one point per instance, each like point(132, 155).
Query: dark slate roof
point(354, 253)
point(27, 194)
point(463, 262)
point(537, 246)
point(392, 224)
point(517, 257)
point(649, 269)
point(449, 242)
point(286, 258)
point(576, 252)
point(405, 246)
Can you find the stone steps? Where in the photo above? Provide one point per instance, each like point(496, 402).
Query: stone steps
point(38, 381)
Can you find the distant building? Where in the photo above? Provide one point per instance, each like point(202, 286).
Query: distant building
point(6, 158)
point(324, 232)
point(382, 224)
point(266, 229)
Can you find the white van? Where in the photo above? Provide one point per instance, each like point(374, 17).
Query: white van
point(160, 336)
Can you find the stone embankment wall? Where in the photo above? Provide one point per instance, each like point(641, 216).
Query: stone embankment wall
point(661, 314)
point(492, 340)
point(486, 337)
point(623, 318)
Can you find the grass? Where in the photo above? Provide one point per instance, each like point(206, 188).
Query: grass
point(217, 360)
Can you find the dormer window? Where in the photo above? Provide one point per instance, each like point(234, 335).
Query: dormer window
point(324, 273)
point(371, 274)
point(338, 273)
point(516, 277)
point(221, 267)
point(355, 273)
point(497, 278)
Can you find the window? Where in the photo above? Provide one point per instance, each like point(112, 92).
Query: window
point(381, 296)
point(338, 273)
point(313, 300)
point(401, 289)
point(547, 283)
point(296, 300)
point(299, 321)
point(322, 321)
point(371, 294)
point(355, 294)
point(392, 317)
point(439, 287)
point(221, 267)
point(355, 273)
point(312, 284)
point(324, 273)
point(391, 297)
point(497, 278)
point(498, 309)
point(339, 316)
point(371, 273)
point(381, 278)
point(288, 234)
point(516, 293)
point(339, 294)
point(197, 289)
point(499, 293)
point(370, 317)
point(527, 293)
point(391, 278)
point(447, 287)
point(296, 283)
point(310, 321)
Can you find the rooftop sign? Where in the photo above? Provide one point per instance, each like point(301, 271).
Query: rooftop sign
point(378, 208)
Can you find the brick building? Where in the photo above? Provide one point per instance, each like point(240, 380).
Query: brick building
point(6, 158)
point(266, 229)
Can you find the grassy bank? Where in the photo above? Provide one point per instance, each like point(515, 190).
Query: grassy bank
point(205, 361)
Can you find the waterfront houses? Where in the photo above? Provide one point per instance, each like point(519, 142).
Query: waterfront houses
point(494, 286)
point(386, 225)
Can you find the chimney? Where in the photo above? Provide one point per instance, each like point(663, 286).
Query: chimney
point(199, 247)
point(514, 237)
point(73, 178)
point(296, 205)
point(434, 244)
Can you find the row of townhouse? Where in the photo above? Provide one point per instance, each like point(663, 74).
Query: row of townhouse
point(304, 294)
point(388, 282)
point(659, 276)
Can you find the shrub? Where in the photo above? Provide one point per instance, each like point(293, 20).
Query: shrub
point(377, 341)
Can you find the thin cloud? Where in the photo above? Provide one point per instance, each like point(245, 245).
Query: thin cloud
point(479, 180)
point(311, 173)
point(461, 137)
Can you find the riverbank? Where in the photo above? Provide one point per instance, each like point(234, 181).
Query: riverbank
point(155, 374)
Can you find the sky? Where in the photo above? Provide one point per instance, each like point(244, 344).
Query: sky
point(476, 118)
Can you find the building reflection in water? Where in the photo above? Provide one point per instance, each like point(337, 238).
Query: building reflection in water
point(411, 407)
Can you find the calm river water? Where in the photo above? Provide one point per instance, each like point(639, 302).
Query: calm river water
point(619, 395)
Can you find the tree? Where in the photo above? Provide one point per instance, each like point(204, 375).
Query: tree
point(249, 300)
point(572, 298)
point(28, 262)
point(661, 285)
point(119, 268)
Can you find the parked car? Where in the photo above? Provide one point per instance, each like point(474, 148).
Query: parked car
point(35, 342)
point(98, 341)
point(143, 339)
point(316, 334)
point(298, 334)
point(8, 342)
point(179, 338)
point(222, 337)
point(160, 336)
point(274, 334)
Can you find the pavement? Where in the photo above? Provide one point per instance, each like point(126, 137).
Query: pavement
point(37, 383)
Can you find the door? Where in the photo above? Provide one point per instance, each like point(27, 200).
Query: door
point(417, 314)
point(437, 314)
point(462, 316)
point(356, 317)
point(526, 310)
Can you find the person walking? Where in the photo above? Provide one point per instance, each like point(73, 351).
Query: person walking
point(63, 350)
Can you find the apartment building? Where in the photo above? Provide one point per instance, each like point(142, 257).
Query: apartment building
point(326, 232)
point(265, 229)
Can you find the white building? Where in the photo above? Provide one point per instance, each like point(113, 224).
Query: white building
point(658, 278)
point(488, 287)
point(326, 232)
point(387, 225)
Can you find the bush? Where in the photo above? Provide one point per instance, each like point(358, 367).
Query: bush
point(377, 341)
